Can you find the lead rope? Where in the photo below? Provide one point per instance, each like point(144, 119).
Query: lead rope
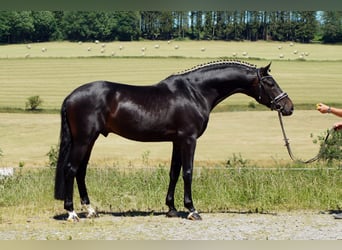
point(287, 143)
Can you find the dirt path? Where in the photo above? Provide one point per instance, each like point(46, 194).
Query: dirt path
point(220, 226)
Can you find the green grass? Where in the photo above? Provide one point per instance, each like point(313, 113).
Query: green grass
point(214, 190)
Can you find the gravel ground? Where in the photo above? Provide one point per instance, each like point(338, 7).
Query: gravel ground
point(219, 226)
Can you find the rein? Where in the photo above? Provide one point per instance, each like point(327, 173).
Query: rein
point(287, 143)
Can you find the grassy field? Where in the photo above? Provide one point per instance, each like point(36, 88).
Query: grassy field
point(252, 137)
point(26, 138)
point(214, 190)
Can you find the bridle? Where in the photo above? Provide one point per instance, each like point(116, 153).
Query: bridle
point(275, 100)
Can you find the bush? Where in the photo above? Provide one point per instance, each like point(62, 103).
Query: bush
point(33, 102)
point(53, 156)
point(331, 150)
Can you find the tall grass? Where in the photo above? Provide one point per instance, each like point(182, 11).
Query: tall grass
point(215, 190)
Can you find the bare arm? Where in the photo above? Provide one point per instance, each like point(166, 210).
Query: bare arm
point(323, 108)
point(328, 109)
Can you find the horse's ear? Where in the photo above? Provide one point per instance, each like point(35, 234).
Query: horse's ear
point(264, 71)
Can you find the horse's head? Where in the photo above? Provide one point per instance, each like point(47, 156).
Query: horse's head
point(270, 94)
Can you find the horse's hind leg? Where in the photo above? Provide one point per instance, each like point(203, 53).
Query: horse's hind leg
point(82, 188)
point(79, 154)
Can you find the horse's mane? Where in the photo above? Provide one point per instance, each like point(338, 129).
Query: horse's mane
point(217, 63)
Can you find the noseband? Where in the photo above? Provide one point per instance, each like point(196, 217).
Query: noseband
point(275, 100)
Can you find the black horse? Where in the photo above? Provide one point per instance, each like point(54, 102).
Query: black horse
point(176, 109)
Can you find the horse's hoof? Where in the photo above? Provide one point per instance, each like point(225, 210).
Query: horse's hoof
point(172, 214)
point(194, 216)
point(73, 217)
point(92, 215)
point(91, 212)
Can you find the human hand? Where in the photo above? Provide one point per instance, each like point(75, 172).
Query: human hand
point(322, 108)
point(337, 126)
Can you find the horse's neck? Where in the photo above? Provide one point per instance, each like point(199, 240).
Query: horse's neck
point(221, 86)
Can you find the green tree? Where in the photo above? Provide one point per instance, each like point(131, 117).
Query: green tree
point(44, 25)
point(75, 26)
point(166, 25)
point(22, 26)
point(127, 26)
point(306, 26)
point(332, 27)
point(5, 26)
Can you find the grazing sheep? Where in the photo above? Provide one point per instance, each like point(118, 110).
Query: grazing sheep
point(103, 45)
point(295, 52)
point(28, 46)
point(280, 47)
point(306, 53)
point(44, 49)
point(120, 47)
point(97, 41)
point(202, 49)
point(156, 46)
point(89, 49)
point(143, 49)
point(113, 53)
point(245, 53)
point(291, 44)
point(281, 56)
point(102, 50)
point(176, 47)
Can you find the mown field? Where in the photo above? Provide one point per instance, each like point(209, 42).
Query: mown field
point(251, 138)
point(26, 138)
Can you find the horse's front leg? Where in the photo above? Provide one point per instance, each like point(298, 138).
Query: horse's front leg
point(188, 151)
point(176, 164)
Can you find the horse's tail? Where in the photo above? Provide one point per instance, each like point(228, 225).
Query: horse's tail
point(64, 152)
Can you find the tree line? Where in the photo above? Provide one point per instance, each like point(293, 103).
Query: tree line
point(298, 26)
